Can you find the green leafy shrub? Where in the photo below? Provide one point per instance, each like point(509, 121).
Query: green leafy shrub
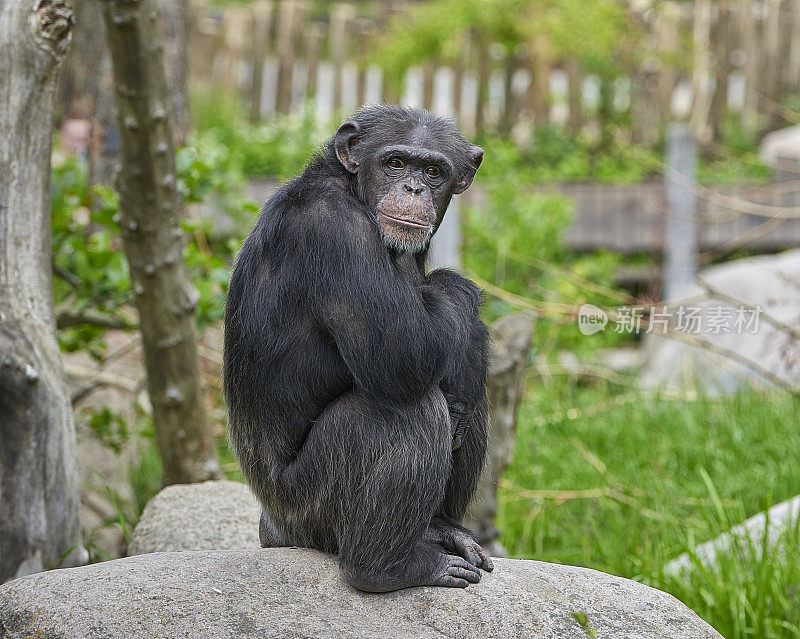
point(280, 147)
point(87, 250)
point(514, 242)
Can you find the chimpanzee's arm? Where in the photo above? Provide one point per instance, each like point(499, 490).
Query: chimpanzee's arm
point(464, 380)
point(397, 338)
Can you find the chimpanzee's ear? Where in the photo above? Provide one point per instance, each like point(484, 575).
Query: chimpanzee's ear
point(343, 142)
point(475, 158)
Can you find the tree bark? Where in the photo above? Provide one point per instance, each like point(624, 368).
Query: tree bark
point(39, 499)
point(153, 242)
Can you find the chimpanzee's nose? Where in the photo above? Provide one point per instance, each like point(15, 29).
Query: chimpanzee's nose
point(416, 190)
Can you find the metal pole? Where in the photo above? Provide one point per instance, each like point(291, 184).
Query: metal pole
point(680, 242)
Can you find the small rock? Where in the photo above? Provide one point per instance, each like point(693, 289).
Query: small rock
point(214, 515)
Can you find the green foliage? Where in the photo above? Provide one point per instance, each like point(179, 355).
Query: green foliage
point(145, 477)
point(735, 160)
point(554, 156)
point(87, 250)
point(85, 246)
point(110, 428)
point(280, 147)
point(600, 35)
point(625, 482)
point(514, 242)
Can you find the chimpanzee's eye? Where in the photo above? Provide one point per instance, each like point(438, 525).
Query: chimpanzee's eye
point(396, 163)
point(433, 171)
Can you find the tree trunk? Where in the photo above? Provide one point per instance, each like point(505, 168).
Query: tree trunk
point(511, 344)
point(39, 499)
point(153, 242)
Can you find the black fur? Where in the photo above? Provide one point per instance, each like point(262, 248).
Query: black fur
point(347, 371)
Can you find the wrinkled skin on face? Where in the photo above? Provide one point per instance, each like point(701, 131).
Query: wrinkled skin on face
point(407, 183)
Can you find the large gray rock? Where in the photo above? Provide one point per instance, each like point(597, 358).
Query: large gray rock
point(282, 592)
point(730, 356)
point(214, 515)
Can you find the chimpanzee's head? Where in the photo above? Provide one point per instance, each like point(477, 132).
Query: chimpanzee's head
point(407, 164)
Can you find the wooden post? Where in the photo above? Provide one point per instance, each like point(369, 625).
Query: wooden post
point(645, 122)
point(458, 78)
point(235, 29)
point(668, 39)
point(539, 88)
point(751, 66)
point(483, 84)
point(793, 64)
point(262, 15)
point(771, 72)
point(510, 349)
point(428, 76)
point(701, 73)
point(288, 25)
point(203, 43)
point(314, 36)
point(341, 17)
point(574, 95)
point(362, 33)
point(680, 241)
point(722, 39)
point(509, 114)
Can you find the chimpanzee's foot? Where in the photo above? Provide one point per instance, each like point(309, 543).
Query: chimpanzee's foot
point(459, 541)
point(427, 565)
point(454, 572)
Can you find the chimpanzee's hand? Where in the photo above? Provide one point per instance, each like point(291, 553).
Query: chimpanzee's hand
point(454, 284)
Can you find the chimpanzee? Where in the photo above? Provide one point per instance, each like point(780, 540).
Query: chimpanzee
point(355, 382)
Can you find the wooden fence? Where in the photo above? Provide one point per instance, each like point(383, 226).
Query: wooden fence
point(276, 56)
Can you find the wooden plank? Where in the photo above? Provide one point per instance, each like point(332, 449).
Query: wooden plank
point(314, 35)
point(428, 75)
point(236, 28)
point(289, 21)
point(458, 77)
point(342, 16)
point(574, 95)
point(363, 29)
point(751, 66)
point(701, 72)
point(482, 51)
point(262, 17)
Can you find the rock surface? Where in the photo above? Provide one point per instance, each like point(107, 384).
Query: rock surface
point(770, 283)
point(282, 592)
point(214, 515)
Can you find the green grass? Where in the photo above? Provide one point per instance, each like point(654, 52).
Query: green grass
point(625, 482)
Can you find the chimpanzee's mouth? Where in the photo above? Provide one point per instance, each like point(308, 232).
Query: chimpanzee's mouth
point(406, 222)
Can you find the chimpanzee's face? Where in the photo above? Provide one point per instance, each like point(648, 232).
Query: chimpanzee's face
point(408, 188)
point(408, 184)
